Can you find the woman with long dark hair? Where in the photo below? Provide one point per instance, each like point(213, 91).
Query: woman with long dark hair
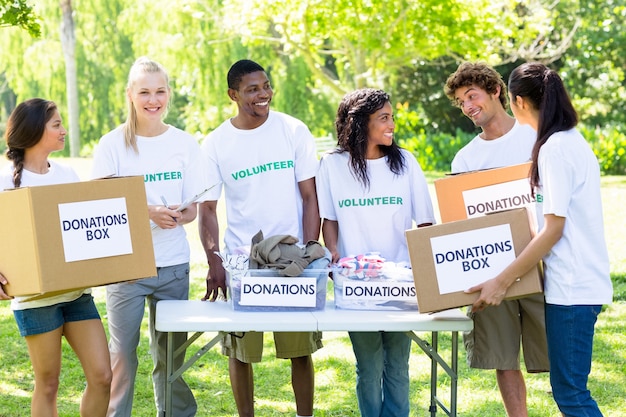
point(565, 177)
point(34, 131)
point(369, 166)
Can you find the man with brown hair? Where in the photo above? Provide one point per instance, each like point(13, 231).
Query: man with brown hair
point(494, 343)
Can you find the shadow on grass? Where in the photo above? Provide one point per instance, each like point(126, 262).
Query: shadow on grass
point(274, 396)
point(478, 394)
point(17, 379)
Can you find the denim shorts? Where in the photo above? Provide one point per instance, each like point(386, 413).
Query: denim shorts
point(32, 321)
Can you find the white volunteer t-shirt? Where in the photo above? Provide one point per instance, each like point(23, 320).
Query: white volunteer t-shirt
point(373, 219)
point(577, 270)
point(259, 170)
point(57, 174)
point(514, 147)
point(171, 166)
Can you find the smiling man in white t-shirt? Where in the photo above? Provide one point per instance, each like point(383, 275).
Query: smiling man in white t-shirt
point(494, 343)
point(266, 164)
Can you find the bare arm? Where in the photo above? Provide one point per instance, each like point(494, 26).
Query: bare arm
point(492, 292)
point(310, 211)
point(208, 228)
point(330, 232)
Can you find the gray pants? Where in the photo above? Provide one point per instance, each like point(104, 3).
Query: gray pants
point(125, 310)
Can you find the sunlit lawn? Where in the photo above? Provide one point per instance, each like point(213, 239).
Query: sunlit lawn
point(335, 378)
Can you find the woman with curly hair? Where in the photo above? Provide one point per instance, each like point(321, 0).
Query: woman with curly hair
point(369, 166)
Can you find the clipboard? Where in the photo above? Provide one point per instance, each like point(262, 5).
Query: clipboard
point(191, 200)
point(195, 198)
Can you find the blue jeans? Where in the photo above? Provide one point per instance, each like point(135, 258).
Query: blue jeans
point(570, 342)
point(382, 373)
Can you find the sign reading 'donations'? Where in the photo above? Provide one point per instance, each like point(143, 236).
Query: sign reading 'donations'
point(278, 291)
point(468, 258)
point(498, 197)
point(95, 229)
point(378, 291)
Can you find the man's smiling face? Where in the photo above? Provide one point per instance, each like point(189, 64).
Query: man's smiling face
point(253, 96)
point(477, 104)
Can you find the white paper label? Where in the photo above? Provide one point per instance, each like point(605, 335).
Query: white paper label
point(95, 229)
point(498, 197)
point(278, 291)
point(465, 259)
point(378, 291)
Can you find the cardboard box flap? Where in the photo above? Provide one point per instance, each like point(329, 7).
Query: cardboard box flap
point(475, 193)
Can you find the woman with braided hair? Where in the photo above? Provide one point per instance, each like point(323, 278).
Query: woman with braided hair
point(34, 131)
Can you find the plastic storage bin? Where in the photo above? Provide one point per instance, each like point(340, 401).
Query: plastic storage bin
point(389, 288)
point(266, 290)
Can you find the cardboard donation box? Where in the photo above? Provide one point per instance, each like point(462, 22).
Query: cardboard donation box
point(451, 257)
point(388, 286)
point(475, 193)
point(266, 290)
point(68, 236)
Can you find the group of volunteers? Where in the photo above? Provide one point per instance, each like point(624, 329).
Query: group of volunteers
point(300, 196)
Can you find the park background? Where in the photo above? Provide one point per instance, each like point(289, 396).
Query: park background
point(78, 53)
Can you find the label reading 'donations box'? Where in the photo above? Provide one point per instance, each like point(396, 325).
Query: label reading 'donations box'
point(378, 291)
point(95, 229)
point(465, 259)
point(278, 291)
point(498, 197)
point(449, 258)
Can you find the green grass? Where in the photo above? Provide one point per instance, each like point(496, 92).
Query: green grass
point(335, 377)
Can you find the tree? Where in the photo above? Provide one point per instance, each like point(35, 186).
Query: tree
point(349, 44)
point(68, 43)
point(594, 68)
point(314, 52)
point(19, 13)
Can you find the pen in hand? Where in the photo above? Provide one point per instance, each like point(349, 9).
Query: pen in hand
point(168, 207)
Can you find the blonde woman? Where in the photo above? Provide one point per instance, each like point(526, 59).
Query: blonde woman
point(168, 159)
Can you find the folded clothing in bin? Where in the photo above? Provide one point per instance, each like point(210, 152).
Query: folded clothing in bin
point(279, 275)
point(368, 282)
point(283, 253)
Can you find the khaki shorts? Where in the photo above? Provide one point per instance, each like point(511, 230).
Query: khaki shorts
point(248, 347)
point(494, 343)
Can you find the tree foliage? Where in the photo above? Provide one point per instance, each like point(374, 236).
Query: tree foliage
point(314, 52)
point(19, 13)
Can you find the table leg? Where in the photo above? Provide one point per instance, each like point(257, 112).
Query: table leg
point(170, 371)
point(433, 375)
point(173, 374)
point(436, 360)
point(455, 368)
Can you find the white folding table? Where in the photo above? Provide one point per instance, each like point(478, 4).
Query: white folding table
point(197, 317)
